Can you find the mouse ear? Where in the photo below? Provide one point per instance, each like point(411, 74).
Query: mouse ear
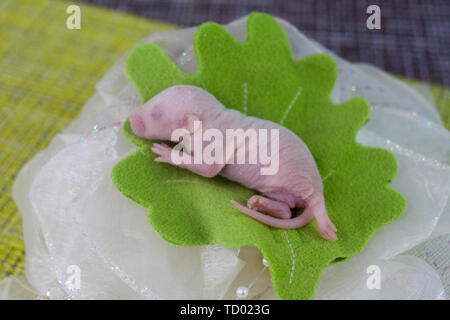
point(191, 122)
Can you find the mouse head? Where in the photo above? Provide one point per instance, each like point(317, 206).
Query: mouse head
point(174, 108)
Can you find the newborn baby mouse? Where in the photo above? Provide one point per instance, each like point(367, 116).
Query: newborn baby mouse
point(296, 184)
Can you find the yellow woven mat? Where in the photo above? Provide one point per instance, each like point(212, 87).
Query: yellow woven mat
point(47, 73)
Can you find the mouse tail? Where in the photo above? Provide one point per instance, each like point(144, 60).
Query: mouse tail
point(293, 223)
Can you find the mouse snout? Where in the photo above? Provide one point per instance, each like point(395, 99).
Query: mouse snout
point(137, 124)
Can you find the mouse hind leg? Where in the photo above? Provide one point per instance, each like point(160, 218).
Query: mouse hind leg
point(274, 208)
point(327, 229)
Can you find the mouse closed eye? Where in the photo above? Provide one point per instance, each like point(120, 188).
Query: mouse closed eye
point(156, 115)
point(296, 184)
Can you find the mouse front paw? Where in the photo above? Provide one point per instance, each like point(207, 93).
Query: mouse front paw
point(163, 151)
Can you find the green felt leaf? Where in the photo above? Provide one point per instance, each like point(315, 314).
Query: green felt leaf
point(260, 76)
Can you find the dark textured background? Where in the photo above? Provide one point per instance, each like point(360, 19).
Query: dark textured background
point(414, 39)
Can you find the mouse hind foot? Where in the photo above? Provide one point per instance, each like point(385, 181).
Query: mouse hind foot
point(272, 207)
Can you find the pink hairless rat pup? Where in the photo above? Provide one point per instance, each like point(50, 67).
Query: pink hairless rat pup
point(296, 184)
